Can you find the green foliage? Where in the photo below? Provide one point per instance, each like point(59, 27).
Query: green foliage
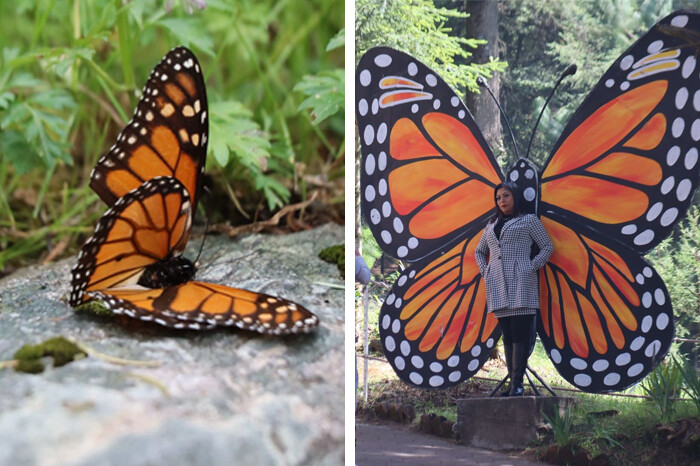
point(691, 381)
point(561, 426)
point(418, 27)
point(370, 248)
point(541, 39)
point(70, 74)
point(664, 385)
point(677, 259)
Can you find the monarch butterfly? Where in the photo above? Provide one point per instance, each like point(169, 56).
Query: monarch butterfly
point(151, 179)
point(620, 177)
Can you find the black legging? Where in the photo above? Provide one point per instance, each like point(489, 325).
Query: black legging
point(519, 329)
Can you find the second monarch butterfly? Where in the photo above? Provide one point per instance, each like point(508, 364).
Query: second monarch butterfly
point(620, 177)
point(151, 178)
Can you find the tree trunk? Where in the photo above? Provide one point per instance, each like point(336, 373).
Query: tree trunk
point(482, 23)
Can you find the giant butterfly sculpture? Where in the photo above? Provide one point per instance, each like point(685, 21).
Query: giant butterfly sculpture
point(620, 177)
point(152, 179)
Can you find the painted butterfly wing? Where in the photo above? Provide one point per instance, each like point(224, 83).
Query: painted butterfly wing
point(620, 178)
point(167, 135)
point(427, 174)
point(149, 226)
point(427, 191)
point(434, 327)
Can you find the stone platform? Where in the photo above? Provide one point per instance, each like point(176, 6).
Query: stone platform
point(504, 423)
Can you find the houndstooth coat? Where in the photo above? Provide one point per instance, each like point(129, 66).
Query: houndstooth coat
point(509, 274)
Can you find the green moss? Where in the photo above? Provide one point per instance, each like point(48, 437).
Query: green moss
point(95, 308)
point(61, 350)
point(30, 366)
point(334, 255)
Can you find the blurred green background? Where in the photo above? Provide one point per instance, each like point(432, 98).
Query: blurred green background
point(71, 73)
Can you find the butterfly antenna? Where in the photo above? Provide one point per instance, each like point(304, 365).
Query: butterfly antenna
point(206, 227)
point(568, 72)
point(482, 82)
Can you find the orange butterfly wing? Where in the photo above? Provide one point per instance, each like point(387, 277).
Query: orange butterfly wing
point(198, 305)
point(147, 227)
point(434, 325)
point(167, 136)
point(427, 174)
point(619, 180)
point(427, 191)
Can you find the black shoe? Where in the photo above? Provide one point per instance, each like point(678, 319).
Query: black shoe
point(520, 355)
point(508, 352)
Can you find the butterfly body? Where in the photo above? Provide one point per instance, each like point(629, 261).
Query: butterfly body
point(168, 272)
point(151, 179)
point(620, 177)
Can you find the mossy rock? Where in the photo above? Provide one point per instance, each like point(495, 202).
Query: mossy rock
point(60, 349)
point(334, 255)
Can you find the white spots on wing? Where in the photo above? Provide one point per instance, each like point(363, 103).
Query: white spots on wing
point(680, 21)
point(383, 60)
point(412, 69)
point(611, 379)
point(668, 185)
point(381, 133)
point(672, 155)
point(382, 161)
point(683, 190)
point(370, 164)
point(626, 62)
point(365, 78)
point(555, 355)
point(669, 217)
point(655, 46)
point(390, 343)
point(431, 80)
point(688, 67)
point(363, 107)
point(695, 130)
point(681, 98)
point(529, 193)
point(677, 127)
point(609, 83)
point(582, 380)
point(654, 211)
point(369, 135)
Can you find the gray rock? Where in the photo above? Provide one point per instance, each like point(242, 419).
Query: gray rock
point(218, 397)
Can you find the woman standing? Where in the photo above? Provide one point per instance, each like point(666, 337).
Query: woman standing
point(512, 291)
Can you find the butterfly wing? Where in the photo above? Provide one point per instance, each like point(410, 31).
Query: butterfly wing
point(433, 325)
point(146, 225)
point(621, 176)
point(427, 174)
point(167, 135)
point(199, 305)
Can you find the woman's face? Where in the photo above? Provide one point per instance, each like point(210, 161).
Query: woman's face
point(505, 201)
